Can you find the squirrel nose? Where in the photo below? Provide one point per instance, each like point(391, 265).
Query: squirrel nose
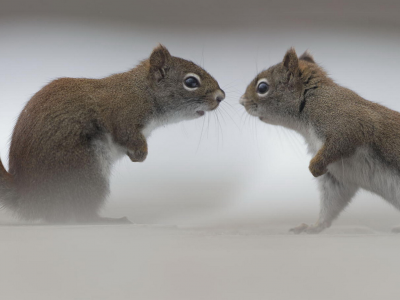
point(219, 96)
point(242, 100)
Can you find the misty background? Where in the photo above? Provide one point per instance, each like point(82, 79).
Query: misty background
point(213, 202)
point(227, 166)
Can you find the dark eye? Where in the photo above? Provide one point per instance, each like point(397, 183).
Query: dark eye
point(262, 88)
point(192, 82)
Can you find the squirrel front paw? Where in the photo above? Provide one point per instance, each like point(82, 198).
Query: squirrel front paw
point(317, 167)
point(138, 155)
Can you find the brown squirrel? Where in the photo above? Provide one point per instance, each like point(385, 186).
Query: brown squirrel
point(71, 132)
point(355, 142)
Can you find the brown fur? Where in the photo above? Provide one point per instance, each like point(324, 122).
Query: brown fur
point(301, 95)
point(54, 168)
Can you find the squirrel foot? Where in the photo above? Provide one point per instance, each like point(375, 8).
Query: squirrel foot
point(310, 229)
point(104, 220)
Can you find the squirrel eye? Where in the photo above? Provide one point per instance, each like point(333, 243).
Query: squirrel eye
point(262, 88)
point(192, 82)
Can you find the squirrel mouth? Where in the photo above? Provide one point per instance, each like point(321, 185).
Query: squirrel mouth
point(200, 112)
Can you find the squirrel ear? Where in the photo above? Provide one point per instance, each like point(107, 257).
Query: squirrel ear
point(159, 58)
point(307, 57)
point(291, 62)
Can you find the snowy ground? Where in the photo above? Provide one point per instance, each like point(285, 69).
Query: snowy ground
point(225, 261)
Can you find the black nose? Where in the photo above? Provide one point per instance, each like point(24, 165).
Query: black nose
point(220, 97)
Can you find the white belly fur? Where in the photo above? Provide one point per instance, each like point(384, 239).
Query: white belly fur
point(361, 169)
point(108, 152)
point(148, 129)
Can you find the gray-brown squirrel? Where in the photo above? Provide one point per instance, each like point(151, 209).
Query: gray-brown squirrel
point(355, 142)
point(71, 132)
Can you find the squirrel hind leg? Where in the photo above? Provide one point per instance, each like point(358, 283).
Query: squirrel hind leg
point(335, 196)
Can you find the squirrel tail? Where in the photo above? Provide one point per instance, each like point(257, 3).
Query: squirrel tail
point(8, 195)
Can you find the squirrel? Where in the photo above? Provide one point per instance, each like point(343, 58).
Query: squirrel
point(71, 132)
point(355, 143)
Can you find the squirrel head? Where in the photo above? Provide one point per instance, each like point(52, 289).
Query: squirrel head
point(280, 92)
point(181, 89)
